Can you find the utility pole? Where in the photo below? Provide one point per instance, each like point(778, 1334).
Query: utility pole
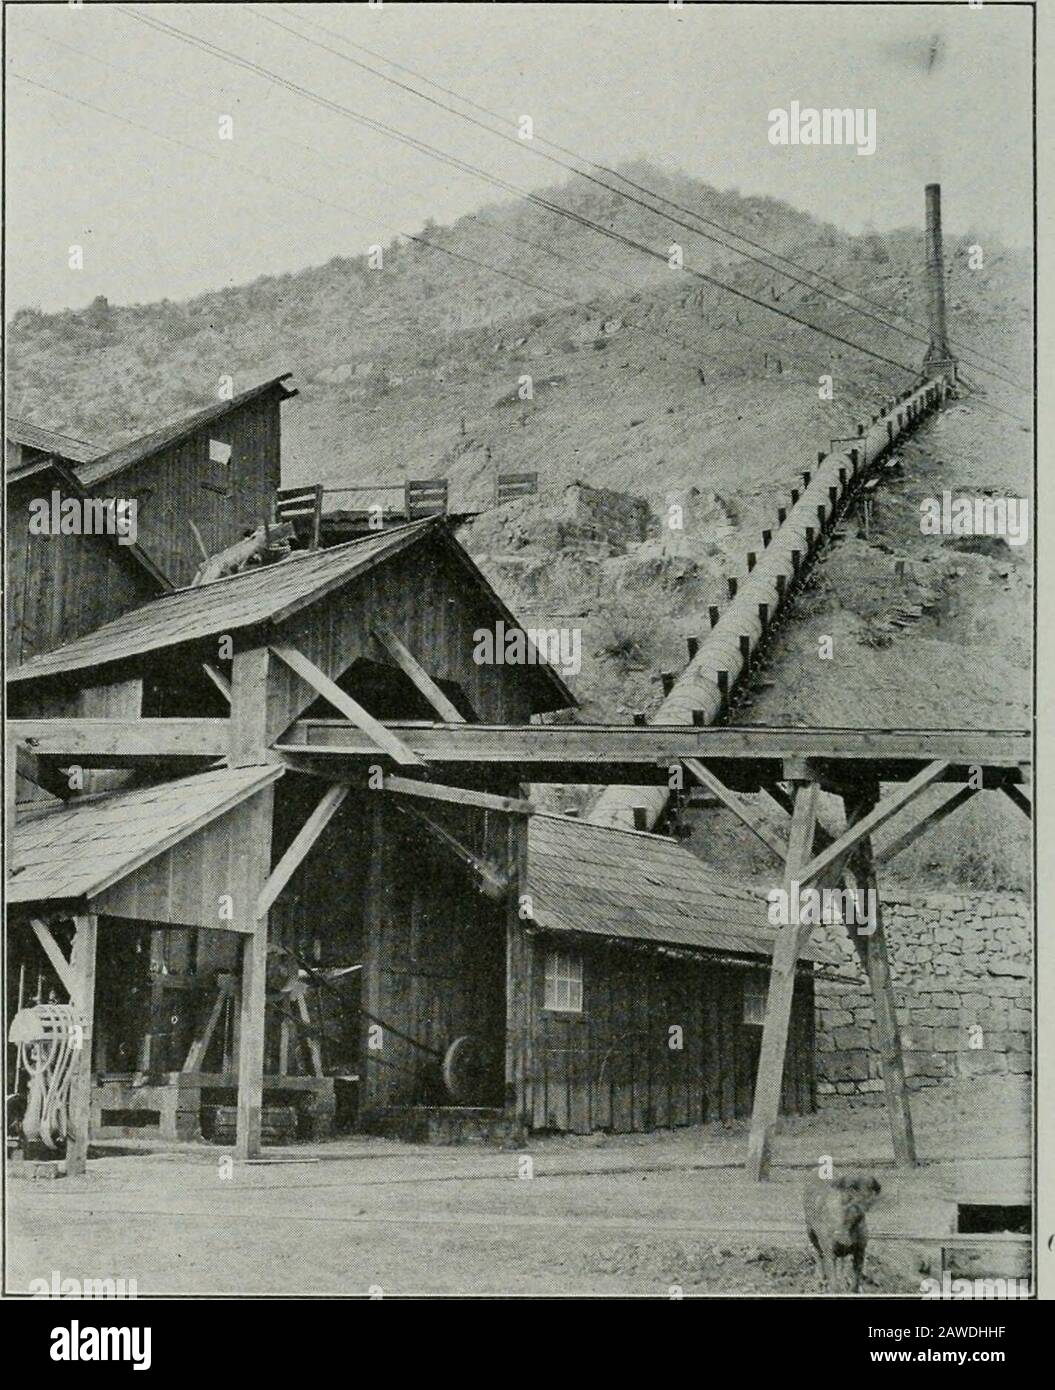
point(939, 360)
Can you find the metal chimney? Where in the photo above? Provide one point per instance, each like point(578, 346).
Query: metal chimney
point(939, 359)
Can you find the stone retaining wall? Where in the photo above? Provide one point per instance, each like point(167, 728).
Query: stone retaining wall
point(962, 970)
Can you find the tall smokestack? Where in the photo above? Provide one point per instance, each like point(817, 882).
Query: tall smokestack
point(939, 358)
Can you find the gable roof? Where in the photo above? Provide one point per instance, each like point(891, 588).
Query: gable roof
point(62, 446)
point(270, 593)
point(107, 465)
point(630, 885)
point(255, 596)
point(77, 850)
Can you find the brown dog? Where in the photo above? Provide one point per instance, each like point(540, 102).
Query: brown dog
point(835, 1223)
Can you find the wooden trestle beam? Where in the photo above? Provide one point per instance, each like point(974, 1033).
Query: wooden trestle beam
point(866, 812)
point(786, 952)
point(744, 758)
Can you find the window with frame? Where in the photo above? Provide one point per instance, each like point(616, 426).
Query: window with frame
point(755, 1000)
point(563, 992)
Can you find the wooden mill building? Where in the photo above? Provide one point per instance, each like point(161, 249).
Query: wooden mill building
point(273, 839)
point(597, 978)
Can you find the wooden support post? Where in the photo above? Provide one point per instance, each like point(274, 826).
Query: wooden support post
point(82, 970)
point(520, 993)
point(250, 877)
point(781, 989)
point(372, 1068)
point(872, 949)
point(248, 721)
point(10, 793)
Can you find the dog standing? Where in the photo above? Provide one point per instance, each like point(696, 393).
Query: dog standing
point(836, 1225)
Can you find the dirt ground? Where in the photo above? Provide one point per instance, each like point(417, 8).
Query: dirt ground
point(643, 1215)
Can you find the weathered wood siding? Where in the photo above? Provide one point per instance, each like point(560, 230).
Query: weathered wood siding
point(428, 600)
point(60, 587)
point(436, 956)
point(612, 1067)
point(180, 484)
point(184, 885)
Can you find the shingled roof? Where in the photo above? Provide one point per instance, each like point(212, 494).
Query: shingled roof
point(106, 465)
point(78, 850)
point(268, 593)
point(629, 885)
point(61, 446)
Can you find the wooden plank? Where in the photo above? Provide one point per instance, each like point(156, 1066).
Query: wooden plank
point(247, 727)
point(121, 742)
point(301, 845)
point(82, 968)
point(519, 987)
point(781, 989)
point(746, 813)
point(351, 709)
point(372, 1068)
point(459, 796)
point(872, 950)
point(880, 813)
point(61, 966)
point(517, 743)
point(925, 823)
point(250, 873)
point(416, 673)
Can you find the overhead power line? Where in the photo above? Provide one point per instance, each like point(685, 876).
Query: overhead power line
point(600, 168)
point(536, 199)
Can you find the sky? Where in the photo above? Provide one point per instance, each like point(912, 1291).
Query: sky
point(123, 156)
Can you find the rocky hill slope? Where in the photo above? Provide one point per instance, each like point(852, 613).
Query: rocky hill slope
point(598, 366)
